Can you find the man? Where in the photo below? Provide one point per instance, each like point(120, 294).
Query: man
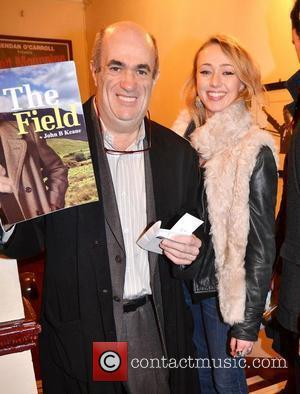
point(99, 285)
point(37, 179)
point(289, 293)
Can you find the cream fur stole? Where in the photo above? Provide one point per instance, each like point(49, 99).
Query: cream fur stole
point(230, 142)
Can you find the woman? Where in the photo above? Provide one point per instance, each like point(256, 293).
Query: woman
point(231, 277)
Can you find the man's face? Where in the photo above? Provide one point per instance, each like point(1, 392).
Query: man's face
point(125, 80)
point(296, 42)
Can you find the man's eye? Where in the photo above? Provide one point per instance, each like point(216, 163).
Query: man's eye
point(115, 68)
point(142, 72)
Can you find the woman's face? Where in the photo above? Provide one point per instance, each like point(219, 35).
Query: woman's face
point(217, 83)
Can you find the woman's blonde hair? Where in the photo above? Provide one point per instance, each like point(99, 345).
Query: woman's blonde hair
point(246, 70)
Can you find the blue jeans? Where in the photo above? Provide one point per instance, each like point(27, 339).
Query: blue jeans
point(218, 372)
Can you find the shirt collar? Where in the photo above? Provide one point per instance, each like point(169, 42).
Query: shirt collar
point(137, 144)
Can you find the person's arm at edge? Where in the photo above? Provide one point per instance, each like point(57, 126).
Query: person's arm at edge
point(24, 239)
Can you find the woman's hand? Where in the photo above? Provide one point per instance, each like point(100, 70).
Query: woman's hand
point(240, 348)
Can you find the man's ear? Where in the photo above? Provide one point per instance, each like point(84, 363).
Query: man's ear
point(93, 71)
point(156, 78)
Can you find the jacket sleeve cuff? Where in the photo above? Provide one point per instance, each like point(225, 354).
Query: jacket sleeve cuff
point(248, 330)
point(189, 271)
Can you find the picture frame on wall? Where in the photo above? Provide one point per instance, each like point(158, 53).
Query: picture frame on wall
point(17, 51)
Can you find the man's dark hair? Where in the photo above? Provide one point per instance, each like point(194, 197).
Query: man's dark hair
point(295, 17)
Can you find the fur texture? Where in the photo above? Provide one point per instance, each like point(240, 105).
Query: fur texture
point(229, 142)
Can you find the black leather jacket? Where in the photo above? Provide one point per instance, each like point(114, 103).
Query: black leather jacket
point(260, 251)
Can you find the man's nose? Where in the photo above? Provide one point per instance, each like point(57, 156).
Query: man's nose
point(128, 80)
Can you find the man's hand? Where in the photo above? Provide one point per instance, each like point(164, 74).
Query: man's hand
point(181, 249)
point(5, 182)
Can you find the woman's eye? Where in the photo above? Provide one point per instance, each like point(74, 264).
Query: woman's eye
point(205, 72)
point(228, 73)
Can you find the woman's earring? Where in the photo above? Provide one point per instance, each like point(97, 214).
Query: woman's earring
point(198, 103)
point(242, 87)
